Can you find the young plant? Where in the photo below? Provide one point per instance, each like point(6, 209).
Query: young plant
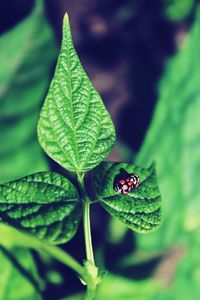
point(76, 131)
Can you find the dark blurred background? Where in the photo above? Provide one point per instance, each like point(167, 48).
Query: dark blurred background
point(124, 46)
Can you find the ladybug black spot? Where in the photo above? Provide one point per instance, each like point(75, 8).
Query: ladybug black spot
point(125, 182)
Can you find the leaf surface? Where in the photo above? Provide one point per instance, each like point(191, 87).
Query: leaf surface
point(44, 204)
point(75, 128)
point(141, 208)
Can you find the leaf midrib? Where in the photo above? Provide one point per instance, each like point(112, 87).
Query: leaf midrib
point(71, 94)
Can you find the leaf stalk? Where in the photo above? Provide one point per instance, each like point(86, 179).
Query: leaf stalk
point(89, 264)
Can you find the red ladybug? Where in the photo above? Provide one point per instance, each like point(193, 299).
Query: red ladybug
point(125, 182)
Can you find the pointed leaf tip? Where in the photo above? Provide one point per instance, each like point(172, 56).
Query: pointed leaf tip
point(74, 128)
point(66, 19)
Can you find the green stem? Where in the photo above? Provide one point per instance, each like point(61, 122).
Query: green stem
point(90, 294)
point(86, 220)
point(90, 266)
point(87, 231)
point(12, 235)
point(68, 260)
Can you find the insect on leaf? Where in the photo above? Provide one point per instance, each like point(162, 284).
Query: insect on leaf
point(44, 204)
point(140, 209)
point(74, 128)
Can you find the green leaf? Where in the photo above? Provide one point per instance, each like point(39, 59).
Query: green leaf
point(26, 55)
point(140, 209)
point(173, 141)
point(44, 204)
point(75, 128)
point(15, 285)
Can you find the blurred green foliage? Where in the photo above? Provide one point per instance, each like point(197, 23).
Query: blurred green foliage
point(184, 283)
point(173, 141)
point(177, 10)
point(119, 288)
point(18, 283)
point(187, 276)
point(26, 54)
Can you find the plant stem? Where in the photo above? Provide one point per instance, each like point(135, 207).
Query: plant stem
point(68, 260)
point(86, 220)
point(16, 237)
point(90, 266)
point(90, 294)
point(87, 231)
